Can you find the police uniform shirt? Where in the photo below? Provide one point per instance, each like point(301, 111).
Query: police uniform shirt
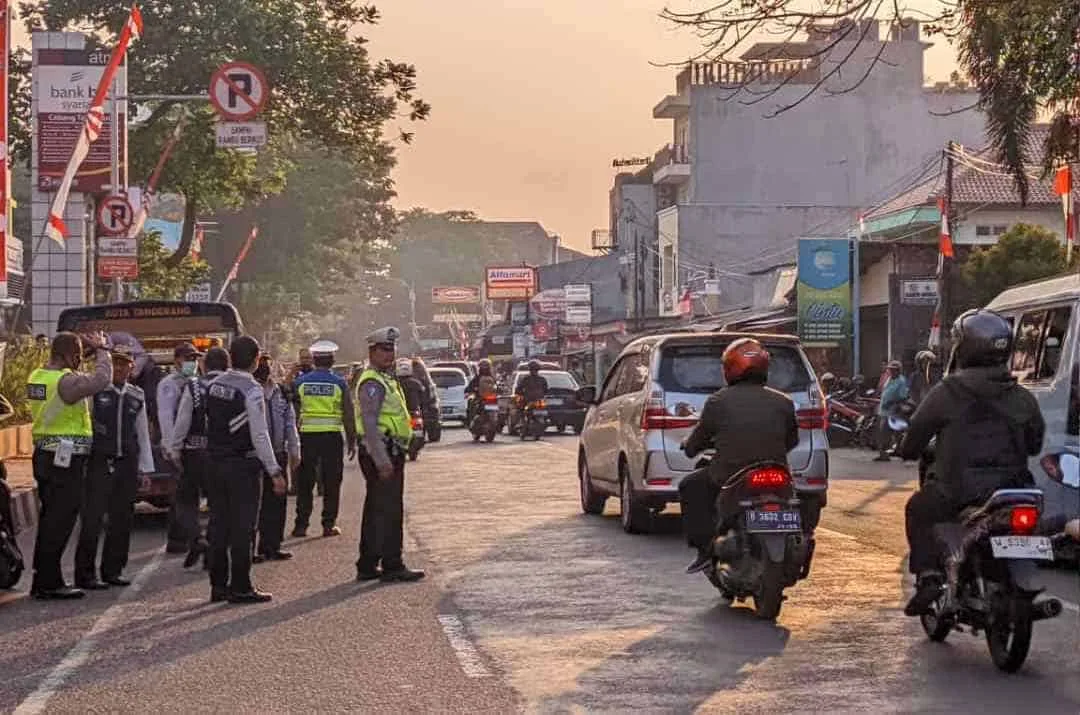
point(320, 378)
point(187, 432)
point(121, 428)
point(169, 392)
point(236, 419)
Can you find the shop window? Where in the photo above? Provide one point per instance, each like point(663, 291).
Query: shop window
point(982, 230)
point(998, 230)
point(1025, 357)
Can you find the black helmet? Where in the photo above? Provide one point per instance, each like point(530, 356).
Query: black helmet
point(534, 366)
point(981, 338)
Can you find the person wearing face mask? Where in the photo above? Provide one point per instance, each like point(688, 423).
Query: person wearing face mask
point(169, 391)
point(63, 435)
point(281, 421)
point(187, 447)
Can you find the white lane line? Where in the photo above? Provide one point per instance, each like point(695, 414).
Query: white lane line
point(471, 663)
point(80, 652)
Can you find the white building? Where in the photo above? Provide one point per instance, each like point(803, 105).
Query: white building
point(747, 184)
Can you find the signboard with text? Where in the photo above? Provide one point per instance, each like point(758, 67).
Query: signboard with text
point(507, 282)
point(923, 291)
point(824, 291)
point(455, 295)
point(456, 318)
point(199, 293)
point(124, 267)
point(241, 135)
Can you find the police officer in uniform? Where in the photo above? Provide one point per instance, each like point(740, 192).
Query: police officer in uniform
point(120, 455)
point(385, 431)
point(63, 435)
point(240, 450)
point(187, 446)
point(183, 533)
point(326, 409)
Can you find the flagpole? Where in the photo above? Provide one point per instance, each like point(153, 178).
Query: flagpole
point(236, 264)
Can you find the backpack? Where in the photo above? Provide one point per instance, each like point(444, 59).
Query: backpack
point(991, 445)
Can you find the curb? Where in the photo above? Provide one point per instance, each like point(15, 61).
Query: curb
point(25, 507)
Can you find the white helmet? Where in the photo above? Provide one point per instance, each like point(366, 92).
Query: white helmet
point(404, 367)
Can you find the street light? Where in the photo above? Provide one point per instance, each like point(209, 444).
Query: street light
point(412, 307)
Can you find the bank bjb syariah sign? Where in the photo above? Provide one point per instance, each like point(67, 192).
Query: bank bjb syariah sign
point(510, 282)
point(824, 291)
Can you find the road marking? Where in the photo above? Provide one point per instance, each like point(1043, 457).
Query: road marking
point(471, 663)
point(80, 652)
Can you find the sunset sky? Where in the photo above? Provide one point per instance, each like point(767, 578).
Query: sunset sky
point(532, 99)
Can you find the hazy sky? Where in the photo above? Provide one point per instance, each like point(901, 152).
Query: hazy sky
point(532, 99)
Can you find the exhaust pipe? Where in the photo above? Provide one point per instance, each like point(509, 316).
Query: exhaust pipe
point(1050, 608)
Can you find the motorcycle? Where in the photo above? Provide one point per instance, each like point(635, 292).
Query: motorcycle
point(767, 550)
point(485, 422)
point(418, 436)
point(432, 423)
point(533, 420)
point(992, 551)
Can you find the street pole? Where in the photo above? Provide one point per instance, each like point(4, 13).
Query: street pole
point(114, 174)
point(856, 299)
point(946, 263)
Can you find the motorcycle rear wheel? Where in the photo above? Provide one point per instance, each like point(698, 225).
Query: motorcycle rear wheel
point(937, 628)
point(769, 596)
point(1009, 636)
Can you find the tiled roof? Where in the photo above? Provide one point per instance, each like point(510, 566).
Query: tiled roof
point(977, 182)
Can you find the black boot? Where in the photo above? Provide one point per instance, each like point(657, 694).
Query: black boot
point(927, 590)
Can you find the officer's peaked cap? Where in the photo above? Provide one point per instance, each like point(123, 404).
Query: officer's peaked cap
point(383, 336)
point(323, 347)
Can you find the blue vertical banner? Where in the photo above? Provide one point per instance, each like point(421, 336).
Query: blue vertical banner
point(823, 291)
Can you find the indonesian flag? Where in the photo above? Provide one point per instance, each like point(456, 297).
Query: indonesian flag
point(935, 331)
point(197, 243)
point(945, 245)
point(862, 225)
point(243, 253)
point(686, 304)
point(147, 202)
point(1063, 187)
point(95, 118)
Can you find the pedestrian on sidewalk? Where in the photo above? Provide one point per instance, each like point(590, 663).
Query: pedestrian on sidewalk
point(240, 451)
point(120, 458)
point(281, 421)
point(63, 435)
point(893, 395)
point(384, 430)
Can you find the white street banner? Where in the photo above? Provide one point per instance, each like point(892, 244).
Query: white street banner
point(456, 318)
point(579, 293)
point(117, 247)
point(199, 293)
point(241, 135)
point(579, 314)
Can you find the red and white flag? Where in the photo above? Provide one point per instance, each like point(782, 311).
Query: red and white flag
point(147, 202)
point(197, 244)
point(233, 272)
point(945, 244)
point(1063, 187)
point(95, 118)
point(935, 331)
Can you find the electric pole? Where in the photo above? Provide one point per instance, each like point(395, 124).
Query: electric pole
point(948, 220)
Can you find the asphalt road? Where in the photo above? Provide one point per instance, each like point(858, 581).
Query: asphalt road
point(530, 606)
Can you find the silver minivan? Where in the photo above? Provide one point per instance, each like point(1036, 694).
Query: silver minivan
point(648, 404)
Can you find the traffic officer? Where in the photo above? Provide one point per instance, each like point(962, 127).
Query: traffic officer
point(63, 435)
point(120, 456)
point(187, 446)
point(385, 430)
point(183, 532)
point(326, 409)
point(240, 450)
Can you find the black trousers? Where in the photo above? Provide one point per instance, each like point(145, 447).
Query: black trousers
point(110, 489)
point(184, 526)
point(234, 492)
point(60, 490)
point(697, 499)
point(272, 514)
point(321, 453)
point(381, 531)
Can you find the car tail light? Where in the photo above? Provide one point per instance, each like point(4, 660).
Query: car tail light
point(658, 482)
point(491, 399)
point(1024, 519)
point(539, 405)
point(768, 478)
point(812, 418)
point(656, 416)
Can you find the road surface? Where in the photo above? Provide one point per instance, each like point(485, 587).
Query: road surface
point(529, 606)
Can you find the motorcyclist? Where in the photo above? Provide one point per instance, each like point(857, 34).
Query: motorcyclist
point(482, 384)
point(414, 390)
point(532, 387)
point(923, 378)
point(986, 426)
point(746, 422)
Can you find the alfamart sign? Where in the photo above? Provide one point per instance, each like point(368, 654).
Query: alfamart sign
point(510, 282)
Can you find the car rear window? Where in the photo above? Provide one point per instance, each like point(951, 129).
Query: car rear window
point(555, 380)
point(698, 369)
point(447, 378)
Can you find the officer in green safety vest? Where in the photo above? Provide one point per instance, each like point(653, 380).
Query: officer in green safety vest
point(326, 411)
point(63, 435)
point(385, 430)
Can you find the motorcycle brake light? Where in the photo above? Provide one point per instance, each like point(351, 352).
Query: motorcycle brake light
point(771, 507)
point(1024, 519)
point(491, 399)
point(768, 478)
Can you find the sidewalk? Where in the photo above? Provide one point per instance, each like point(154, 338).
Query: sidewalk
point(20, 477)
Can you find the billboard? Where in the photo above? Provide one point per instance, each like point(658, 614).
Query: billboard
point(455, 295)
point(509, 282)
point(824, 291)
point(64, 84)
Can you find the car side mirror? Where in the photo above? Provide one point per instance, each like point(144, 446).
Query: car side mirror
point(586, 395)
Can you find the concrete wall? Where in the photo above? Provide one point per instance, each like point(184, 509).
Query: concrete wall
point(1049, 217)
point(607, 277)
point(759, 182)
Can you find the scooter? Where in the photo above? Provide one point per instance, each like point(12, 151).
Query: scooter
point(533, 420)
point(418, 436)
point(485, 423)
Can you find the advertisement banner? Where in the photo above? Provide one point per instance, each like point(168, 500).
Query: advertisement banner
point(549, 303)
point(824, 291)
point(109, 267)
point(455, 295)
point(64, 84)
point(508, 282)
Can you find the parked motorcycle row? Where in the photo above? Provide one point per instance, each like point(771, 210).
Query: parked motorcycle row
point(854, 420)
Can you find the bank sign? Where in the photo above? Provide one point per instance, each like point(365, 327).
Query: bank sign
point(824, 291)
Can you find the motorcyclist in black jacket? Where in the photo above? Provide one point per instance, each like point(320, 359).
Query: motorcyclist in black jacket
point(986, 426)
point(745, 422)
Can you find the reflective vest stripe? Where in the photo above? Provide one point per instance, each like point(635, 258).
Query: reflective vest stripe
point(53, 418)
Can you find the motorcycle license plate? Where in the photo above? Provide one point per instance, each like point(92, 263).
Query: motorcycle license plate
point(491, 408)
point(540, 413)
point(760, 521)
point(448, 410)
point(554, 401)
point(1022, 547)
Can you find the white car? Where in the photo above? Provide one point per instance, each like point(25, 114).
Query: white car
point(450, 383)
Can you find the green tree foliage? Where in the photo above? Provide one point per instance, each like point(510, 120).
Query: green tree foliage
point(325, 89)
point(161, 280)
point(1023, 253)
point(21, 357)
